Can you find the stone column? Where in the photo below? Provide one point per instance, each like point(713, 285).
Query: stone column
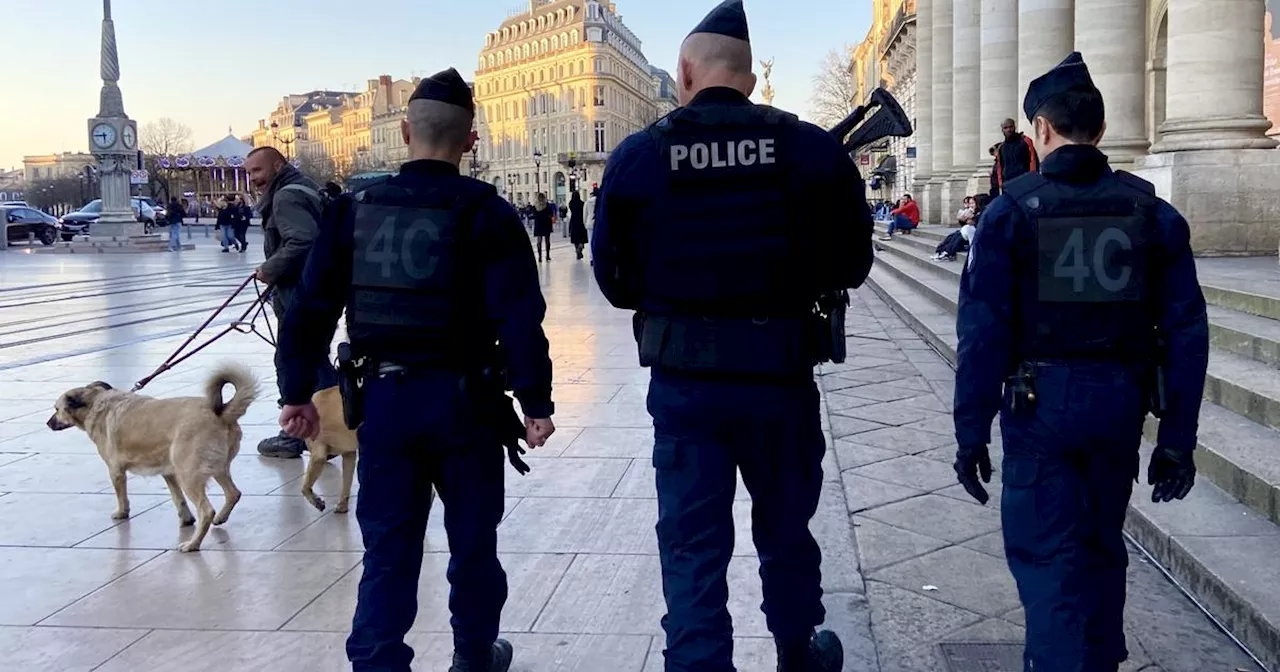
point(1215, 76)
point(998, 74)
point(924, 110)
point(1046, 34)
point(1213, 160)
point(942, 120)
point(966, 100)
point(1111, 35)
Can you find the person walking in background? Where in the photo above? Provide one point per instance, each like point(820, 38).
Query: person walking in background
point(228, 213)
point(241, 228)
point(577, 223)
point(1015, 157)
point(175, 213)
point(543, 224)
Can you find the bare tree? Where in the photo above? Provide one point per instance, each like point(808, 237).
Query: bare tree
point(834, 89)
point(162, 137)
point(319, 167)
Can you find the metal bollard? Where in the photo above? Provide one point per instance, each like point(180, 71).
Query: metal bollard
point(31, 238)
point(206, 230)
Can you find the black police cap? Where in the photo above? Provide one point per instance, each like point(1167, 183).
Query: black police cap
point(446, 86)
point(728, 19)
point(1071, 73)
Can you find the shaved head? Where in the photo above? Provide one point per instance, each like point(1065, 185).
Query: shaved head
point(709, 60)
point(437, 130)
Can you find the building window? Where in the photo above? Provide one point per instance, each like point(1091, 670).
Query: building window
point(573, 138)
point(598, 65)
point(599, 136)
point(543, 103)
point(599, 97)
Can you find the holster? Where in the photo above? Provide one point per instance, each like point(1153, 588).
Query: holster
point(487, 390)
point(351, 373)
point(1021, 389)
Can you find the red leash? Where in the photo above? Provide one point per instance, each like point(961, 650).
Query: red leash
point(246, 324)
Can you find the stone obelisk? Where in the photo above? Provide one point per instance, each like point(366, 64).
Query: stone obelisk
point(113, 141)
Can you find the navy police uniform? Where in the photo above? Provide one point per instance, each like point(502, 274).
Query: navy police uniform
point(432, 269)
point(720, 225)
point(1079, 287)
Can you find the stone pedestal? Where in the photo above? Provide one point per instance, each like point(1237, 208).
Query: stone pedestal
point(1227, 197)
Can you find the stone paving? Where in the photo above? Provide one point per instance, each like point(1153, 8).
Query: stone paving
point(908, 561)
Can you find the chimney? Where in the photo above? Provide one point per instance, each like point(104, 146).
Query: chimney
point(385, 80)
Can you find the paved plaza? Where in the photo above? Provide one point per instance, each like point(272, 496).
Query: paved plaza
point(909, 560)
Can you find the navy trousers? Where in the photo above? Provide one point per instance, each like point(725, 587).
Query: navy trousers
point(420, 431)
point(1069, 467)
point(705, 431)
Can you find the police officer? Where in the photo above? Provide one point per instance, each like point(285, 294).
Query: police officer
point(1080, 297)
point(432, 268)
point(720, 225)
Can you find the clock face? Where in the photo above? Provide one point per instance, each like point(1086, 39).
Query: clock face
point(129, 137)
point(104, 136)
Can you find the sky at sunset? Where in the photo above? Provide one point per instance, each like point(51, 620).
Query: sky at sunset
point(214, 65)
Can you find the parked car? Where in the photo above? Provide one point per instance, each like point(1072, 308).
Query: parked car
point(20, 222)
point(161, 212)
point(77, 223)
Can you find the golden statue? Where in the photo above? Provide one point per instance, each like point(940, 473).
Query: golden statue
point(767, 92)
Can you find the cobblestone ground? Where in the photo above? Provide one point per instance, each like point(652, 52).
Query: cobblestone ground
point(274, 588)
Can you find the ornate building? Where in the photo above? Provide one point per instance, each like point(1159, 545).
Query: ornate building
point(284, 128)
point(54, 166)
point(1184, 87)
point(886, 59)
point(666, 100)
point(557, 88)
point(389, 103)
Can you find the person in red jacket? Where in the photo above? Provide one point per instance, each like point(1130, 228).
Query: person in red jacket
point(904, 218)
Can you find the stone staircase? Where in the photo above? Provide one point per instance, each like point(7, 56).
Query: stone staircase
point(1222, 543)
point(112, 245)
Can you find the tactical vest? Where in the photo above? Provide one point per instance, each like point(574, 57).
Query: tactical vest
point(1082, 270)
point(725, 256)
point(414, 286)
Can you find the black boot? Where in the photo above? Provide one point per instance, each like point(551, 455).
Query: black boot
point(283, 446)
point(822, 652)
point(499, 661)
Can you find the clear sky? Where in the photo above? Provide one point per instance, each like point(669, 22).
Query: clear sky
point(226, 63)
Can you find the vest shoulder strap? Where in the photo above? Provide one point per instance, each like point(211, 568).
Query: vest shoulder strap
point(311, 193)
point(1136, 182)
point(1022, 185)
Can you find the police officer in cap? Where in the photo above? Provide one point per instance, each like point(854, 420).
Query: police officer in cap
point(720, 225)
point(432, 268)
point(1079, 298)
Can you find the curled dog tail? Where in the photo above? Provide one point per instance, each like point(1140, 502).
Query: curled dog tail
point(246, 387)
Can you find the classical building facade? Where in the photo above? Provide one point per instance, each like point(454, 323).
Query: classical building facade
point(886, 59)
point(284, 128)
point(1183, 83)
point(53, 166)
point(665, 90)
point(390, 101)
point(557, 88)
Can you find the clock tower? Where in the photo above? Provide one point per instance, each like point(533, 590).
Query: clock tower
point(113, 141)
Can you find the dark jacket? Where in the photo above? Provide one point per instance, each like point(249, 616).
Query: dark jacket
point(1016, 157)
point(243, 214)
point(228, 217)
point(577, 223)
point(175, 212)
point(543, 222)
point(290, 212)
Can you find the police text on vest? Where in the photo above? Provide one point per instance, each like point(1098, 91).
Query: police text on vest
point(703, 155)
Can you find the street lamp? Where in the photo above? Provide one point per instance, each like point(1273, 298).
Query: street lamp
point(475, 162)
point(275, 135)
point(537, 171)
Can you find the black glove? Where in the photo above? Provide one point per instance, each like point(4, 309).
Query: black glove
point(972, 461)
point(1172, 472)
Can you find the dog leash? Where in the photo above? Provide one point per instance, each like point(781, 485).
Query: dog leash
point(246, 324)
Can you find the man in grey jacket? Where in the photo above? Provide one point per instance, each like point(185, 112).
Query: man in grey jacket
point(290, 208)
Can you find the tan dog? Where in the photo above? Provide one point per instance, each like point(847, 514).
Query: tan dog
point(334, 439)
point(185, 440)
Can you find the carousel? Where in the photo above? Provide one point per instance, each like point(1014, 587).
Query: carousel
point(214, 172)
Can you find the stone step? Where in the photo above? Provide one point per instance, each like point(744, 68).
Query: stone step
point(1221, 542)
point(1238, 455)
point(1257, 338)
point(1252, 303)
